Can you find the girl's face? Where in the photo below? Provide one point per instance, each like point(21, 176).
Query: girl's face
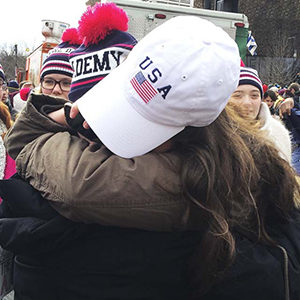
point(1, 88)
point(4, 94)
point(247, 98)
point(269, 101)
point(56, 85)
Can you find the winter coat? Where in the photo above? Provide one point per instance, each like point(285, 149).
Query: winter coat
point(56, 258)
point(7, 164)
point(293, 121)
point(64, 259)
point(60, 259)
point(276, 132)
point(19, 103)
point(90, 184)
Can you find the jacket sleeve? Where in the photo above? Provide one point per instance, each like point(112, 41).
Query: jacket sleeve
point(88, 183)
point(32, 123)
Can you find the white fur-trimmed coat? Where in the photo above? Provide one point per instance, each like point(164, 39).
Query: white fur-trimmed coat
point(276, 132)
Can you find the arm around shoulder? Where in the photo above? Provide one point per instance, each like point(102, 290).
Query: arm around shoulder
point(88, 183)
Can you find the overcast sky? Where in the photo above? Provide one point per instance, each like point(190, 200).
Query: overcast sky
point(21, 20)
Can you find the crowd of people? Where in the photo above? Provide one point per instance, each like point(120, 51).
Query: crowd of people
point(158, 169)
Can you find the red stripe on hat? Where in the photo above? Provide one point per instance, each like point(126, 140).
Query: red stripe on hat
point(122, 45)
point(86, 82)
point(136, 87)
point(251, 76)
point(59, 65)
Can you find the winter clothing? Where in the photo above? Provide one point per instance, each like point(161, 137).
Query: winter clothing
point(165, 91)
point(2, 159)
point(3, 128)
point(2, 75)
point(13, 86)
point(115, 263)
point(276, 132)
point(258, 271)
point(60, 259)
point(71, 198)
point(106, 44)
point(58, 58)
point(250, 76)
point(18, 102)
point(118, 263)
point(7, 164)
point(57, 62)
point(293, 124)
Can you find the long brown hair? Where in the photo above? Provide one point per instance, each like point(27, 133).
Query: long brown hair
point(235, 177)
point(5, 115)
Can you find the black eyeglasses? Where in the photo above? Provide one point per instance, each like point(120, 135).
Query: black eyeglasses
point(50, 83)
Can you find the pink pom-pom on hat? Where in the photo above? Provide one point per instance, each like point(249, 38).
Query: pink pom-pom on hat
point(100, 20)
point(106, 44)
point(57, 61)
point(24, 93)
point(71, 36)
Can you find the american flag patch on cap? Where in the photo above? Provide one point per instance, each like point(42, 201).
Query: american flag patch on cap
point(143, 87)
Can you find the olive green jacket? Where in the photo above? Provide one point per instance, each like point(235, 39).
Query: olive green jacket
point(87, 183)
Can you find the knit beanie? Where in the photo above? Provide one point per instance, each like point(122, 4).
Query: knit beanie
point(13, 86)
point(58, 58)
point(250, 76)
point(106, 44)
point(2, 76)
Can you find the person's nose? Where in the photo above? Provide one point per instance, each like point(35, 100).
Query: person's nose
point(57, 90)
point(247, 100)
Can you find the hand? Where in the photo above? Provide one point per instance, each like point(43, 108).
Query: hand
point(286, 107)
point(58, 116)
point(73, 113)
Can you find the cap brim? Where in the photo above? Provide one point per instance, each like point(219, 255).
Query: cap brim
point(117, 124)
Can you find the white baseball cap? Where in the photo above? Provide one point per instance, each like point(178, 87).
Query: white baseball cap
point(181, 74)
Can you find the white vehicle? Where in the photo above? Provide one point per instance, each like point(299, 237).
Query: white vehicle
point(144, 16)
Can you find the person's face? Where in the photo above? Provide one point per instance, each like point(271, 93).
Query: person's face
point(1, 88)
point(52, 88)
point(247, 98)
point(27, 85)
point(4, 93)
point(269, 101)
